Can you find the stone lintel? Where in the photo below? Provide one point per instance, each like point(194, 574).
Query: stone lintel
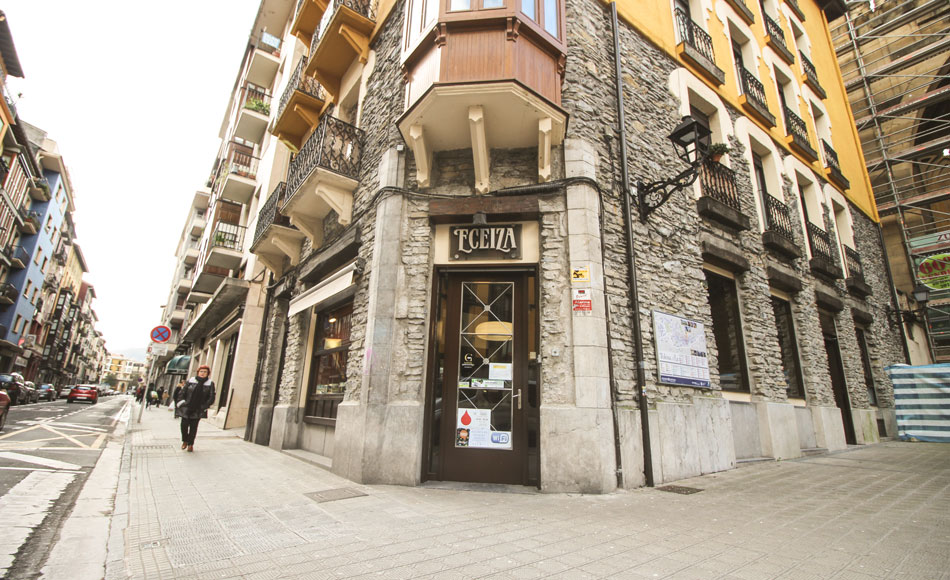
point(780, 245)
point(331, 257)
point(783, 279)
point(515, 207)
point(828, 301)
point(722, 214)
point(723, 254)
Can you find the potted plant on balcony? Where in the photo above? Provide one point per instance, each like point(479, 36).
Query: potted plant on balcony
point(716, 151)
point(258, 106)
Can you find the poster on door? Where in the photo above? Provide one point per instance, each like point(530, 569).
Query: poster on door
point(473, 429)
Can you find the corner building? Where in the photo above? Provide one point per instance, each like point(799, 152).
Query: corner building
point(449, 286)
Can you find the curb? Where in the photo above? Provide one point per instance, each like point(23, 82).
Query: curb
point(81, 551)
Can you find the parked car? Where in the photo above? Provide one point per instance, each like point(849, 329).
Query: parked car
point(4, 408)
point(12, 383)
point(48, 392)
point(64, 392)
point(83, 393)
point(33, 395)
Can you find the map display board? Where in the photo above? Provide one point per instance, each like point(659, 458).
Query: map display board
point(680, 350)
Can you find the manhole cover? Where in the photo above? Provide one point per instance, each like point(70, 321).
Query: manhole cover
point(152, 545)
point(334, 494)
point(679, 489)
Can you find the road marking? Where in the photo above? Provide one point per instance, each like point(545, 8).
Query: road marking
point(98, 441)
point(123, 413)
point(82, 427)
point(55, 463)
point(38, 469)
point(65, 436)
point(24, 507)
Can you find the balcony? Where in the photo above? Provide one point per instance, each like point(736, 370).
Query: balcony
point(184, 285)
point(19, 257)
point(793, 4)
point(275, 240)
point(345, 29)
point(323, 177)
point(31, 221)
point(38, 188)
point(742, 10)
point(832, 167)
point(198, 224)
point(796, 135)
point(190, 256)
point(778, 235)
point(307, 19)
point(240, 173)
point(696, 48)
point(855, 281)
point(8, 293)
point(458, 97)
point(810, 76)
point(720, 200)
point(265, 61)
point(225, 246)
point(775, 38)
point(300, 108)
point(753, 98)
point(178, 317)
point(822, 261)
point(207, 279)
point(254, 114)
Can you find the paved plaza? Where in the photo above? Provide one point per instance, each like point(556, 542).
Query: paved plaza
point(233, 509)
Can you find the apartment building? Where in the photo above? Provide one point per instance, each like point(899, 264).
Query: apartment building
point(126, 371)
point(893, 59)
point(461, 246)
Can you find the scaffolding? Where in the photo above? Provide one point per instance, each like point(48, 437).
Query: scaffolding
point(895, 61)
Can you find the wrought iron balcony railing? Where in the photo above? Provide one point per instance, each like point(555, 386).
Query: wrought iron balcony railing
point(335, 146)
point(778, 217)
point(831, 157)
point(852, 261)
point(690, 33)
point(269, 215)
point(230, 236)
point(819, 241)
point(795, 126)
point(300, 82)
point(774, 30)
point(752, 88)
point(810, 72)
point(719, 182)
point(256, 99)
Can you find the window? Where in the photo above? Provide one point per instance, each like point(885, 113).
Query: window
point(727, 331)
point(328, 363)
point(29, 286)
point(43, 267)
point(49, 224)
point(791, 367)
point(39, 254)
point(758, 172)
point(17, 323)
point(866, 363)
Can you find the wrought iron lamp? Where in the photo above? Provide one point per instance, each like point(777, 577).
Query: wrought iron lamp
point(921, 297)
point(687, 138)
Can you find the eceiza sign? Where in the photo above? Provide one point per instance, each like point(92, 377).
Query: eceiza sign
point(485, 242)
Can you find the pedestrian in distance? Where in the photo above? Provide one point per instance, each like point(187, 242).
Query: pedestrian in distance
point(151, 397)
point(192, 404)
point(174, 397)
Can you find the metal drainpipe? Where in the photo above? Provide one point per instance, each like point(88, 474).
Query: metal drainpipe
point(632, 263)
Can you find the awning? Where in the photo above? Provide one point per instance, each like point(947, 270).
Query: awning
point(330, 286)
point(178, 365)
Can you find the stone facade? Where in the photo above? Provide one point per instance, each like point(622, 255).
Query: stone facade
point(590, 427)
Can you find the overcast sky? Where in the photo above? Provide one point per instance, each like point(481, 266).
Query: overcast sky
point(134, 94)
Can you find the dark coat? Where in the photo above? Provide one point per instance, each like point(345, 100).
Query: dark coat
point(198, 398)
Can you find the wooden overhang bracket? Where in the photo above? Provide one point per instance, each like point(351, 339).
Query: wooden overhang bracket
point(440, 34)
point(513, 26)
point(358, 41)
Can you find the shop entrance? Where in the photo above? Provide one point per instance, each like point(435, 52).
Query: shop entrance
point(482, 404)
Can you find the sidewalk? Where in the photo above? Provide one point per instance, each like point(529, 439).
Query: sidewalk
point(233, 509)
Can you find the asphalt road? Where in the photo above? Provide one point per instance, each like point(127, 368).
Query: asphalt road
point(46, 453)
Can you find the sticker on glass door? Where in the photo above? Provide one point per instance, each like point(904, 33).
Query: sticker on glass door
point(486, 354)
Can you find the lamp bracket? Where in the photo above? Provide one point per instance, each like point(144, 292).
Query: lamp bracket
point(652, 195)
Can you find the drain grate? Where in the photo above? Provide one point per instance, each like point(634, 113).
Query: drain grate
point(151, 545)
point(152, 447)
point(679, 489)
point(334, 494)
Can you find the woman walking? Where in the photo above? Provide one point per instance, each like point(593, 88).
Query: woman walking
point(192, 403)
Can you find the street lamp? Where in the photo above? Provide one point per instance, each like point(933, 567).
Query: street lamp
point(687, 138)
point(921, 296)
